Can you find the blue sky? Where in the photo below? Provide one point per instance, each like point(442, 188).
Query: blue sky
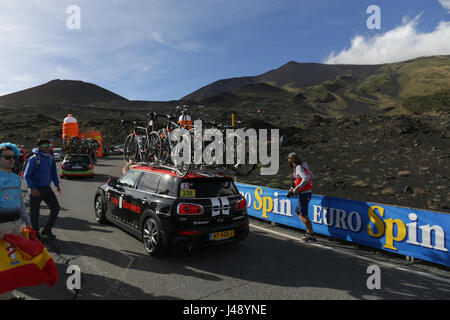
point(164, 50)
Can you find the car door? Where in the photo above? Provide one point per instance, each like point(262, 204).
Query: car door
point(125, 185)
point(167, 192)
point(143, 197)
point(113, 198)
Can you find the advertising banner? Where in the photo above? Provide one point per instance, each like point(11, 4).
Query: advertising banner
point(410, 232)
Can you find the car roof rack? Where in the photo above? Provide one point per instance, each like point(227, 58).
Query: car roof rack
point(205, 171)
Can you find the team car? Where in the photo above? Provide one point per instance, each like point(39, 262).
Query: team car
point(164, 210)
point(118, 149)
point(57, 152)
point(77, 165)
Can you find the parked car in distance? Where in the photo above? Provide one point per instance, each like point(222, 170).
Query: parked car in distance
point(57, 153)
point(164, 210)
point(77, 165)
point(118, 150)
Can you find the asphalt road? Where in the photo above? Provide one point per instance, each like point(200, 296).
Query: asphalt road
point(270, 265)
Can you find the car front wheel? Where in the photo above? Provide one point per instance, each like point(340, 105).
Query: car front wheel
point(99, 210)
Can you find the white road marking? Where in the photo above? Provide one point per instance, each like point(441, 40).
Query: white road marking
point(353, 255)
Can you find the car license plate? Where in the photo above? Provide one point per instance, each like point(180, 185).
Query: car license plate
point(222, 235)
point(77, 167)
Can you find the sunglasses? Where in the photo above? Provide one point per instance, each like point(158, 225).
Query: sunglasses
point(9, 157)
point(45, 145)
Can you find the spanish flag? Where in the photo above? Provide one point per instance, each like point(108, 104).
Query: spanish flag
point(24, 262)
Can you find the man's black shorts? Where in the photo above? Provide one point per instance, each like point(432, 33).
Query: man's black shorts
point(303, 203)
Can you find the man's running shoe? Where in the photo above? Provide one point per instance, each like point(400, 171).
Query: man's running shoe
point(38, 236)
point(48, 234)
point(309, 238)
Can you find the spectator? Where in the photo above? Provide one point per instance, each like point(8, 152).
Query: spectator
point(303, 188)
point(13, 215)
point(40, 172)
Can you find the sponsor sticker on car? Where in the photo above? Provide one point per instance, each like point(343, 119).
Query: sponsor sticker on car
point(185, 185)
point(187, 193)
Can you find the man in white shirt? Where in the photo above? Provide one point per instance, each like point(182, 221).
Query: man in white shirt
point(303, 188)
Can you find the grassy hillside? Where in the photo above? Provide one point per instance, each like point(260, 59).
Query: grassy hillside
point(330, 90)
point(434, 102)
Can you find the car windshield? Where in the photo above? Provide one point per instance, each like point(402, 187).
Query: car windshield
point(206, 188)
point(57, 150)
point(129, 179)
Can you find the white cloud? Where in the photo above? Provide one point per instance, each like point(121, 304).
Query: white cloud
point(445, 4)
point(399, 44)
point(116, 39)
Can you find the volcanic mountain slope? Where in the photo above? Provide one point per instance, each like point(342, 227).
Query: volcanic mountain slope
point(399, 160)
point(292, 74)
point(330, 90)
point(61, 92)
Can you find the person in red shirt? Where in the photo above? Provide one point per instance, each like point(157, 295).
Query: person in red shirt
point(303, 189)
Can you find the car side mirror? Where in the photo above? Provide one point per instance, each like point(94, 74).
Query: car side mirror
point(112, 182)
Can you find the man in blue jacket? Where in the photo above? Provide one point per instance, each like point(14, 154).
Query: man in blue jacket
point(40, 172)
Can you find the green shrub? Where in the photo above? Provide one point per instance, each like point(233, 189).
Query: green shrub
point(419, 104)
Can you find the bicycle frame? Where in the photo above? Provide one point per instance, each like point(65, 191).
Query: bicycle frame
point(138, 137)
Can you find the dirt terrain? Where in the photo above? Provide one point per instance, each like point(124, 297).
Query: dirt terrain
point(369, 133)
point(401, 160)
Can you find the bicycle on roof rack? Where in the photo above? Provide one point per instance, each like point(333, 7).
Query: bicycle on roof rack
point(171, 151)
point(239, 167)
point(160, 148)
point(143, 144)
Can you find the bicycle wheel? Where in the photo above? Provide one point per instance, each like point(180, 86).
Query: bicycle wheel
point(130, 149)
point(194, 164)
point(181, 167)
point(165, 147)
point(243, 168)
point(153, 149)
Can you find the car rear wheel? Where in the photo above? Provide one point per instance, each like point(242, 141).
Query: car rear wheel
point(152, 236)
point(100, 210)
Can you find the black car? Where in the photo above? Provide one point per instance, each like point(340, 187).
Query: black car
point(77, 165)
point(165, 210)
